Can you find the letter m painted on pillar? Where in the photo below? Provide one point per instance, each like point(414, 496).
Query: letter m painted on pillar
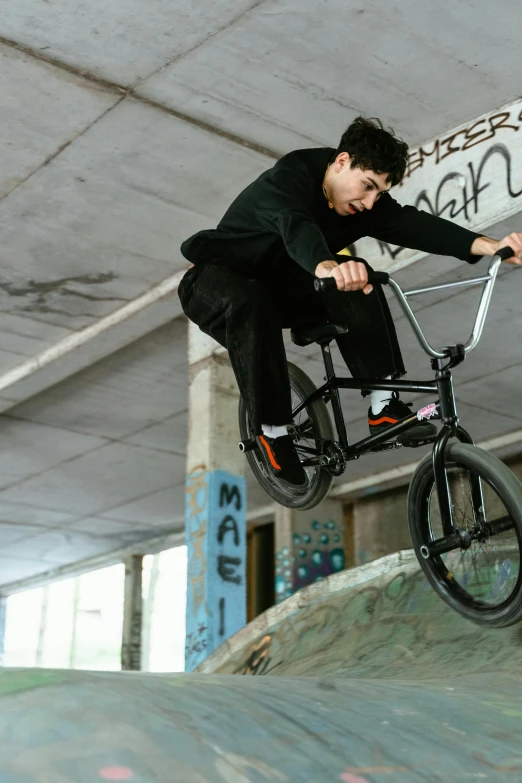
point(227, 494)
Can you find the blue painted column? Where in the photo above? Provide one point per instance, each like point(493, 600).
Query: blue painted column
point(216, 574)
point(215, 505)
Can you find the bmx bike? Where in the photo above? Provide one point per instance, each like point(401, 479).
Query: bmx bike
point(464, 505)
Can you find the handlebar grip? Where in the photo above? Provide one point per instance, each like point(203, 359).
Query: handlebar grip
point(328, 283)
point(505, 253)
point(379, 278)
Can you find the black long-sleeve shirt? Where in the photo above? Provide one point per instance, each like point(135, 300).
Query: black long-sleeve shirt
point(284, 214)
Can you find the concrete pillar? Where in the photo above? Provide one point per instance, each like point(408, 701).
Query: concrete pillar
point(3, 616)
point(132, 614)
point(215, 514)
point(42, 627)
point(309, 545)
point(148, 611)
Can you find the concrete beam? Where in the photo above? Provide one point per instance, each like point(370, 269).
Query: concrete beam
point(82, 348)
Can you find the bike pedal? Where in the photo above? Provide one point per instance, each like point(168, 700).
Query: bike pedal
point(413, 444)
point(247, 445)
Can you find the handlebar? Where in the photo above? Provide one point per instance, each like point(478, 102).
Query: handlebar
point(383, 278)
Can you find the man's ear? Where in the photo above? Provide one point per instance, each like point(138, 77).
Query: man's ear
point(342, 161)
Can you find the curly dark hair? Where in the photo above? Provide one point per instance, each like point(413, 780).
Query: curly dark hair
point(372, 146)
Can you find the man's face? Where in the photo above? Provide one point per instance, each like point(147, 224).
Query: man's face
point(352, 190)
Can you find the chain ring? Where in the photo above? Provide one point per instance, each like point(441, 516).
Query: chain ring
point(336, 459)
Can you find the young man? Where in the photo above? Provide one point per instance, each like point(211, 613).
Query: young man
point(253, 275)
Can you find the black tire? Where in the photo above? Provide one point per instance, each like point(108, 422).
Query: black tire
point(475, 595)
point(319, 478)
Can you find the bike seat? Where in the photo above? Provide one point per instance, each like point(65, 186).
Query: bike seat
point(322, 333)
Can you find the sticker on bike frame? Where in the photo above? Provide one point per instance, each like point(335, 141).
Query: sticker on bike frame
point(427, 412)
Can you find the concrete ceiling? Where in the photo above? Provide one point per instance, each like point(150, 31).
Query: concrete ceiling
point(126, 129)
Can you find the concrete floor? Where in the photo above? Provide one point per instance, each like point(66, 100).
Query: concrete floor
point(365, 676)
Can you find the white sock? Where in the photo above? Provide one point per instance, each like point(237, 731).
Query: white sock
point(378, 399)
point(274, 430)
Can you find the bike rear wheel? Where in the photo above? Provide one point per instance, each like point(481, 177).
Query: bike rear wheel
point(482, 578)
point(314, 426)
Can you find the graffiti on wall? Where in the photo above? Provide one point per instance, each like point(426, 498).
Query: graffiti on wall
point(478, 132)
point(196, 520)
point(216, 551)
point(317, 551)
point(229, 599)
point(258, 658)
point(470, 175)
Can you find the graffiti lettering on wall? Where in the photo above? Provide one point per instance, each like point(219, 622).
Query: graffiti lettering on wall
point(438, 206)
point(229, 565)
point(196, 642)
point(457, 195)
point(196, 516)
point(216, 542)
point(470, 175)
point(221, 617)
point(379, 625)
point(478, 132)
point(258, 658)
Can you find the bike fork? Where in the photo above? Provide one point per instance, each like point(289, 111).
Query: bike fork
point(453, 538)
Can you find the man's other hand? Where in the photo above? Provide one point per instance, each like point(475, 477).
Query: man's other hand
point(485, 246)
point(514, 241)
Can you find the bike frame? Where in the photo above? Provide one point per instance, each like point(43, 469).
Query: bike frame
point(444, 408)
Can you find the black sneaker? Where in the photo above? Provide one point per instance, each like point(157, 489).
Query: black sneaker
point(393, 412)
point(281, 460)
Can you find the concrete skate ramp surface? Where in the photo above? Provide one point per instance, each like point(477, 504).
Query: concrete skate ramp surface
point(380, 621)
point(377, 681)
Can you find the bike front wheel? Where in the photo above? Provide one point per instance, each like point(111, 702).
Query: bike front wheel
point(482, 578)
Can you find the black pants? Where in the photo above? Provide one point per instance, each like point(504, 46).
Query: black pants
point(246, 315)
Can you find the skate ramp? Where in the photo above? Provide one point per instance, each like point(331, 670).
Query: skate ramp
point(365, 677)
point(381, 620)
